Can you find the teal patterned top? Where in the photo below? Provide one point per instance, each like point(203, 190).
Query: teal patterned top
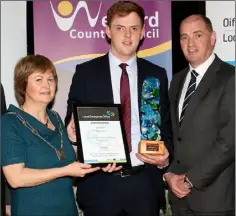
point(20, 145)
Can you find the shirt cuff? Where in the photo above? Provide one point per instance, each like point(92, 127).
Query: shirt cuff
point(162, 167)
point(73, 143)
point(163, 177)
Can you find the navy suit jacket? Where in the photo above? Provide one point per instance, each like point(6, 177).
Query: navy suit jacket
point(3, 110)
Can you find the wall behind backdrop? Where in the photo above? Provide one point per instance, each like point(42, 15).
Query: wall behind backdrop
point(13, 43)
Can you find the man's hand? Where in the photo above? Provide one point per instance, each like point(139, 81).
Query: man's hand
point(71, 129)
point(158, 160)
point(176, 184)
point(8, 210)
point(111, 168)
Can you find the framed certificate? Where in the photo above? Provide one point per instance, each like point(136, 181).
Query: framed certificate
point(101, 135)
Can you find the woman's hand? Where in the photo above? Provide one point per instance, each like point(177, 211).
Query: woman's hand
point(77, 169)
point(18, 175)
point(71, 129)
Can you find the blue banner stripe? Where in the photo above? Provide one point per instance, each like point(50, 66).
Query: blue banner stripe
point(231, 62)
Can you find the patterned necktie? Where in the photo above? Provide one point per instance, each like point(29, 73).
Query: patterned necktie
point(189, 93)
point(125, 103)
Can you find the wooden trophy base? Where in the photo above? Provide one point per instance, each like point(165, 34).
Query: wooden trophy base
point(151, 147)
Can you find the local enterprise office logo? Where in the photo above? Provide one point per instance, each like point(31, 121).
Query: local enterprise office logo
point(107, 115)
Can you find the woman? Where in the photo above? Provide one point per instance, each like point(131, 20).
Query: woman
point(37, 157)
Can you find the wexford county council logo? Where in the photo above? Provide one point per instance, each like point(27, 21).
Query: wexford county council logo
point(65, 15)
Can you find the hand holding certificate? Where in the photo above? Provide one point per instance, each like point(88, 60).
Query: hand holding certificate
point(99, 131)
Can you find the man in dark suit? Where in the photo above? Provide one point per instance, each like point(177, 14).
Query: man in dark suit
point(5, 192)
point(114, 191)
point(202, 175)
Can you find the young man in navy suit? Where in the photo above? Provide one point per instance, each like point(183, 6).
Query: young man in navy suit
point(116, 191)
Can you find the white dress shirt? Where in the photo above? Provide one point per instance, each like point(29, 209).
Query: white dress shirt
point(201, 70)
point(132, 71)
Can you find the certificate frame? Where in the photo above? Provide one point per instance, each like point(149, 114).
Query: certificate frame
point(78, 111)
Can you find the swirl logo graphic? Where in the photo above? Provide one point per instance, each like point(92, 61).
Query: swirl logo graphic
point(109, 113)
point(65, 8)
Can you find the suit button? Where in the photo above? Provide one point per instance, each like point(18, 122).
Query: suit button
point(179, 139)
point(178, 162)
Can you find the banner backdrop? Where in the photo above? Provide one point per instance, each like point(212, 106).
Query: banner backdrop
point(222, 16)
point(72, 32)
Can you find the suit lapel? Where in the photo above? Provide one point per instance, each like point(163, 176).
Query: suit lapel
point(105, 76)
point(141, 78)
point(202, 89)
point(178, 91)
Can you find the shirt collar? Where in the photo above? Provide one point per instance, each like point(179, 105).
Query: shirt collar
point(132, 63)
point(202, 68)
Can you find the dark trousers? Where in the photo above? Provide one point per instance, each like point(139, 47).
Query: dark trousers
point(126, 196)
point(180, 207)
point(2, 195)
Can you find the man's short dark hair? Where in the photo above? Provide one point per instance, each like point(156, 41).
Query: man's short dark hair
point(207, 22)
point(124, 8)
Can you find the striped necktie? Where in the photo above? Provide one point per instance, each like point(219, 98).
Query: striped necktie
point(125, 103)
point(189, 93)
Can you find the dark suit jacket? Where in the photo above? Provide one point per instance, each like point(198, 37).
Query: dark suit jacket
point(92, 84)
point(204, 145)
point(5, 192)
